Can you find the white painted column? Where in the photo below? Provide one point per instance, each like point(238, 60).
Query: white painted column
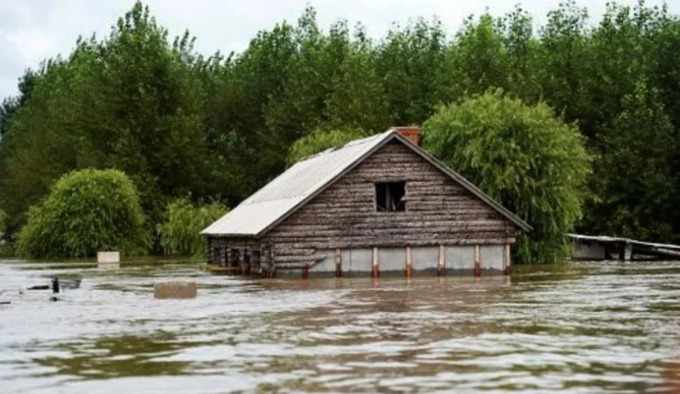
point(409, 262)
point(442, 260)
point(507, 265)
point(478, 264)
point(338, 263)
point(376, 268)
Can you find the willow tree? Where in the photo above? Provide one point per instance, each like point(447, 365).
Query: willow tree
point(3, 223)
point(86, 211)
point(523, 156)
point(180, 234)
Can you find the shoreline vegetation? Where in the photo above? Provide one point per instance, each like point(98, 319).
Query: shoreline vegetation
point(583, 117)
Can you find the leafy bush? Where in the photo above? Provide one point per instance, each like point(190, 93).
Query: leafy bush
point(5, 247)
point(524, 157)
point(86, 211)
point(320, 140)
point(181, 233)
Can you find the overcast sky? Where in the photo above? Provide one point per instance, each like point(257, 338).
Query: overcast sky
point(33, 30)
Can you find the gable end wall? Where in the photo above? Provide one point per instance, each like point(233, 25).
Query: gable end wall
point(439, 211)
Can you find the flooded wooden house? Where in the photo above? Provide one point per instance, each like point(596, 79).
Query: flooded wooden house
point(374, 206)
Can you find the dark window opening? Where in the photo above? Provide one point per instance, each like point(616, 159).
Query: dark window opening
point(389, 196)
point(233, 258)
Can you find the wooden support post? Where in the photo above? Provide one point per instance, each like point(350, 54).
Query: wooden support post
point(440, 262)
point(247, 259)
point(409, 263)
point(338, 263)
point(305, 272)
point(242, 261)
point(272, 263)
point(506, 257)
point(478, 264)
point(627, 251)
point(266, 260)
point(376, 268)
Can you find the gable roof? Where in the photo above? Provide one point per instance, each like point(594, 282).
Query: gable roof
point(307, 178)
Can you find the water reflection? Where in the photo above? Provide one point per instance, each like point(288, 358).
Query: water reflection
point(116, 356)
point(584, 326)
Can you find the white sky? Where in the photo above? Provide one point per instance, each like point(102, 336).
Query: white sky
point(33, 30)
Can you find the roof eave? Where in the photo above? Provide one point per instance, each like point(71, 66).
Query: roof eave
point(242, 235)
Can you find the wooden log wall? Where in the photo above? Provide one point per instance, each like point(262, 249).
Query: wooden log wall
point(438, 211)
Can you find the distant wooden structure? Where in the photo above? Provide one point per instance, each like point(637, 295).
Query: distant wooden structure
point(376, 205)
point(588, 247)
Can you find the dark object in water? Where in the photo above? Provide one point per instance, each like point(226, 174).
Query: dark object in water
point(5, 302)
point(58, 284)
point(54, 298)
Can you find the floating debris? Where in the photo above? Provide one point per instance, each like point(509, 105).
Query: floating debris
point(57, 284)
point(588, 247)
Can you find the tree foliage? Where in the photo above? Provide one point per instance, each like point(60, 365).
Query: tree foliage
point(524, 157)
point(218, 127)
point(320, 140)
point(85, 212)
point(180, 234)
point(3, 223)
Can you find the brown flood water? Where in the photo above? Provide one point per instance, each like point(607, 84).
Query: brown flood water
point(587, 327)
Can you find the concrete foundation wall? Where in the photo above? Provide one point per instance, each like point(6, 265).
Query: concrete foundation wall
point(424, 258)
point(491, 257)
point(392, 259)
point(588, 251)
point(357, 260)
point(457, 260)
point(327, 264)
point(460, 257)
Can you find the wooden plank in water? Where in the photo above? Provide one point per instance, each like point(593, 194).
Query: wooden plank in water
point(218, 268)
point(628, 248)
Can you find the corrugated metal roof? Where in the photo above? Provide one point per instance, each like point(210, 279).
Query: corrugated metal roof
point(305, 179)
point(287, 190)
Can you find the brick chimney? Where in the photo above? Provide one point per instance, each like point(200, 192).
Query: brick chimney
point(412, 133)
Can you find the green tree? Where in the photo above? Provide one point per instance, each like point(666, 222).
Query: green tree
point(132, 101)
point(3, 223)
point(524, 157)
point(86, 211)
point(635, 176)
point(357, 98)
point(320, 140)
point(411, 63)
point(480, 60)
point(180, 234)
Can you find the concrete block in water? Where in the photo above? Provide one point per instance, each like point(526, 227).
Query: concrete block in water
point(181, 289)
point(108, 257)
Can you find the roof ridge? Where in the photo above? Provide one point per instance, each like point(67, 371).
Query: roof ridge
point(348, 144)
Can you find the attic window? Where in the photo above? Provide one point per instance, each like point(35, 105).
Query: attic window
point(389, 196)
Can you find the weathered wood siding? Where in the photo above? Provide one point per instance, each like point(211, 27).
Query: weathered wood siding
point(438, 211)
